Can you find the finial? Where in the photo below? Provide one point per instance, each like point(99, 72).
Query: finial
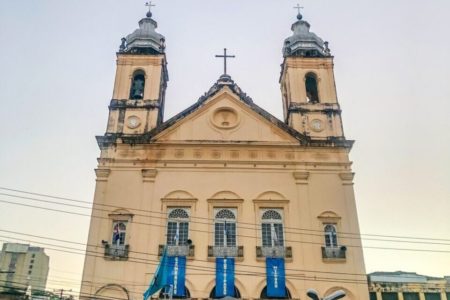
point(299, 15)
point(150, 5)
point(123, 45)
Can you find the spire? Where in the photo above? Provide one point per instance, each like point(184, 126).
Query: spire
point(303, 42)
point(145, 39)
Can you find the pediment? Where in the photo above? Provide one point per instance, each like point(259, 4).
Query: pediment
point(225, 117)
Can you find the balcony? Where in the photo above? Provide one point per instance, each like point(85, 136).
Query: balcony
point(334, 253)
point(234, 251)
point(184, 250)
point(277, 252)
point(114, 252)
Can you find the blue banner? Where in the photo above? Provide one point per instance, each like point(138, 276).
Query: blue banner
point(225, 277)
point(276, 277)
point(177, 275)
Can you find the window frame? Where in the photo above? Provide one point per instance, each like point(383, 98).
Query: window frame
point(330, 237)
point(273, 229)
point(179, 223)
point(232, 222)
point(122, 233)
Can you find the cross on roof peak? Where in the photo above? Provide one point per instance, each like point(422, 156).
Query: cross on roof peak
point(225, 56)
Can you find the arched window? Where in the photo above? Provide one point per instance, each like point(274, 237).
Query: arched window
point(272, 228)
point(264, 294)
point(225, 228)
point(330, 236)
point(312, 93)
point(137, 85)
point(165, 294)
point(119, 233)
point(178, 227)
point(237, 293)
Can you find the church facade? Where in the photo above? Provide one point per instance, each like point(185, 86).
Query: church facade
point(240, 203)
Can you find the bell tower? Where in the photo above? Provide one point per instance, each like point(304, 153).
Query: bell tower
point(137, 105)
point(308, 87)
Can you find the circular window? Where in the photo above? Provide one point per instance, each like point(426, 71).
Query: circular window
point(225, 118)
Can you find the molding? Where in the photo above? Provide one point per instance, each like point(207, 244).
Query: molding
point(149, 175)
point(301, 177)
point(102, 174)
point(271, 203)
point(225, 201)
point(347, 178)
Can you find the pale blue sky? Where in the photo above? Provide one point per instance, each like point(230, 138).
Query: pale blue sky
point(57, 65)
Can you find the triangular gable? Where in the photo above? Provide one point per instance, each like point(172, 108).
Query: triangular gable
point(226, 114)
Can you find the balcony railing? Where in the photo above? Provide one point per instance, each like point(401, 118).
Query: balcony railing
point(333, 253)
point(184, 250)
point(119, 252)
point(277, 251)
point(233, 251)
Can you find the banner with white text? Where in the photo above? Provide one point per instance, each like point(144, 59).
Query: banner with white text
point(224, 277)
point(276, 277)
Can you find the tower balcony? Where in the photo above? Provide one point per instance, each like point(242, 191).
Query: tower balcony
point(116, 252)
point(228, 251)
point(334, 253)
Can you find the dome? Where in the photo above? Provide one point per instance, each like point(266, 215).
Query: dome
point(145, 39)
point(303, 42)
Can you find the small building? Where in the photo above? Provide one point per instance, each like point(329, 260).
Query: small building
point(22, 266)
point(407, 286)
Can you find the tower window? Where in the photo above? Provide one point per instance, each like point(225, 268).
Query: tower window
point(272, 229)
point(137, 86)
point(119, 233)
point(312, 94)
point(330, 236)
point(178, 227)
point(225, 228)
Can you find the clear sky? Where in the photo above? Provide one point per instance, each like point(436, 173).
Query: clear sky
point(57, 65)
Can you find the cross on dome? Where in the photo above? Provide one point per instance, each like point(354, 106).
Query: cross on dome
point(298, 8)
point(150, 5)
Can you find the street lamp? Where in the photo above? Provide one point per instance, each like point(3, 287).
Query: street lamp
point(314, 295)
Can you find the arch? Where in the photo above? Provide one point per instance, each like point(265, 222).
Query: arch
point(329, 214)
point(137, 85)
point(237, 293)
point(226, 195)
point(348, 294)
point(179, 194)
point(225, 214)
point(270, 195)
point(111, 291)
point(312, 90)
point(271, 214)
point(164, 295)
point(263, 294)
point(120, 211)
point(178, 213)
point(237, 284)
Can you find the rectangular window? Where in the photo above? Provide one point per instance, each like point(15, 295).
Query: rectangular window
point(33, 255)
point(410, 296)
point(29, 272)
point(266, 235)
point(278, 239)
point(432, 296)
point(30, 267)
point(373, 296)
point(32, 261)
point(220, 232)
point(389, 296)
point(177, 233)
